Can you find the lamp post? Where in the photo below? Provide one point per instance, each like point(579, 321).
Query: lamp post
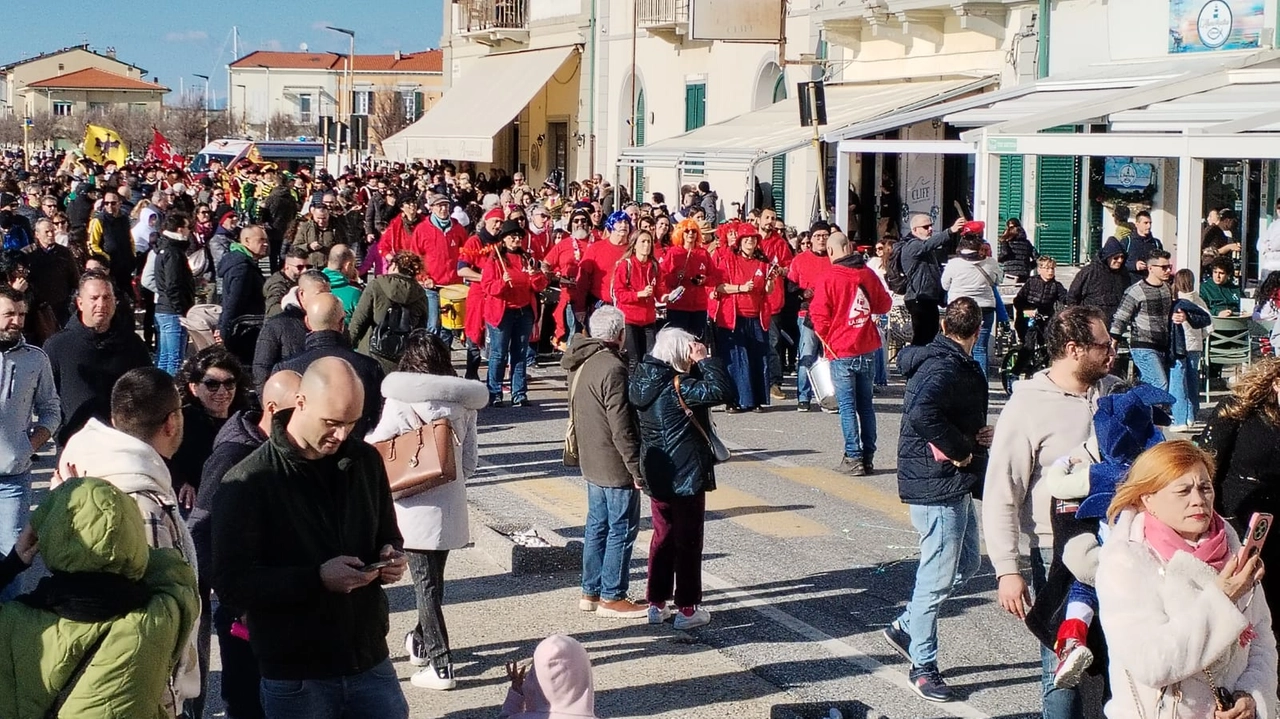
point(205, 104)
point(244, 105)
point(267, 124)
point(351, 60)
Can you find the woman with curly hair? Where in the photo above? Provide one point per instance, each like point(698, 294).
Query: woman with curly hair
point(399, 286)
point(1243, 435)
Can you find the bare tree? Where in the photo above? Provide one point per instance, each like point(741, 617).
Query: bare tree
point(11, 129)
point(134, 127)
point(282, 125)
point(386, 118)
point(47, 127)
point(183, 127)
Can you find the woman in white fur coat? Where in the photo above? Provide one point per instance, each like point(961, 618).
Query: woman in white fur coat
point(425, 389)
point(1183, 615)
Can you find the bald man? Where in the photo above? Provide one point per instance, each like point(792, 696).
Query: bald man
point(341, 271)
point(304, 537)
point(283, 335)
point(327, 337)
point(244, 432)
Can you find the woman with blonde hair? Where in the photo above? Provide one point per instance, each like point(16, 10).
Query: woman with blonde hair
point(1243, 435)
point(1185, 620)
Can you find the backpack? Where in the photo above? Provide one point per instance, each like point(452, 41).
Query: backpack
point(392, 334)
point(894, 276)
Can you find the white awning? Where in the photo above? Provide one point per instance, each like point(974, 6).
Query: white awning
point(742, 141)
point(490, 94)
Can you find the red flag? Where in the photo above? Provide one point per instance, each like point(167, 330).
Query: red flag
point(161, 151)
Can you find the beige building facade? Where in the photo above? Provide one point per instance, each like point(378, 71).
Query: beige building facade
point(75, 80)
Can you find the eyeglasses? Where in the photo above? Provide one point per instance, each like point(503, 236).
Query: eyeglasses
point(109, 204)
point(1109, 345)
point(301, 267)
point(213, 385)
point(1160, 267)
point(925, 227)
point(64, 223)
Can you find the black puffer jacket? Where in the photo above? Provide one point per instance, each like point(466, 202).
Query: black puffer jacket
point(175, 285)
point(945, 405)
point(282, 337)
point(675, 460)
point(1017, 256)
point(1097, 285)
point(236, 440)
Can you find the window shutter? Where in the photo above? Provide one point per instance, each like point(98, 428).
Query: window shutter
point(417, 105)
point(637, 183)
point(778, 176)
point(1010, 188)
point(1057, 195)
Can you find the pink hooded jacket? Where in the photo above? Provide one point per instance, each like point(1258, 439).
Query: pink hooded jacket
point(557, 687)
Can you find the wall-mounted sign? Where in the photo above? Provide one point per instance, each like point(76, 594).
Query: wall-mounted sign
point(1122, 173)
point(1204, 25)
point(737, 20)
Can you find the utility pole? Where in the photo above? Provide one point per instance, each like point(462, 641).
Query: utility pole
point(350, 73)
point(206, 104)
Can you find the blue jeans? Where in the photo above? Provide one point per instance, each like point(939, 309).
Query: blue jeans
point(613, 521)
point(882, 354)
point(373, 694)
point(984, 338)
point(746, 357)
point(1057, 703)
point(172, 340)
point(806, 355)
point(433, 318)
point(1184, 385)
point(1151, 366)
point(949, 557)
point(509, 341)
point(692, 321)
point(15, 507)
point(570, 322)
point(852, 378)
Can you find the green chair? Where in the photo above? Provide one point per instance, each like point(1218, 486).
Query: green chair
point(1229, 345)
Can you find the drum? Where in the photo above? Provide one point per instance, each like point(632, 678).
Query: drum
point(453, 306)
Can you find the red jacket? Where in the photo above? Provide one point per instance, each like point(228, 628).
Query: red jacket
point(775, 247)
point(679, 267)
point(805, 271)
point(500, 295)
point(565, 260)
point(475, 256)
point(844, 303)
point(397, 237)
point(539, 243)
point(439, 250)
point(734, 269)
point(597, 267)
point(630, 276)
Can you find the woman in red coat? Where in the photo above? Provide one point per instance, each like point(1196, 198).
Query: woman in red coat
point(742, 318)
point(637, 286)
point(510, 283)
point(689, 272)
point(563, 262)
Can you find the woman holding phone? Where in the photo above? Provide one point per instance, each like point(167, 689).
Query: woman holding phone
point(1243, 435)
point(1188, 631)
point(637, 287)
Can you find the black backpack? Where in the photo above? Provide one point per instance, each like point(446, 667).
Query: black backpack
point(894, 276)
point(392, 334)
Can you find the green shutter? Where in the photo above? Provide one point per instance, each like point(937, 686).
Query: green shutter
point(639, 120)
point(695, 116)
point(1057, 204)
point(417, 105)
point(1011, 183)
point(778, 178)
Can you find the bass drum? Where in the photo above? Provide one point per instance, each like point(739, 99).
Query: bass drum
point(453, 307)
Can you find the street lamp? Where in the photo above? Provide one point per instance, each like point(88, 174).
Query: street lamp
point(206, 104)
point(267, 124)
point(351, 61)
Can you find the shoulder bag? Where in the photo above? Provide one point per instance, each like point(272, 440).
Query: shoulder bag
point(570, 431)
point(56, 708)
point(718, 448)
point(420, 459)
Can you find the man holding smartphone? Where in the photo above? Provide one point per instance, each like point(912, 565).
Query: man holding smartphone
point(296, 526)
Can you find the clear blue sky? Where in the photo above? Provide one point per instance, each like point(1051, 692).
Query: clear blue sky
point(172, 40)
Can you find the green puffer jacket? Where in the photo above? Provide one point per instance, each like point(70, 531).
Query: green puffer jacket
point(87, 525)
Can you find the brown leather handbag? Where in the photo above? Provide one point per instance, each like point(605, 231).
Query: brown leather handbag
point(419, 459)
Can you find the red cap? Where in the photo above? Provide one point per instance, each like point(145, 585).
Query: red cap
point(973, 227)
point(494, 214)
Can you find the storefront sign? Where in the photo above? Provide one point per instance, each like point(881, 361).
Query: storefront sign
point(1002, 144)
point(1203, 25)
point(1122, 173)
point(737, 20)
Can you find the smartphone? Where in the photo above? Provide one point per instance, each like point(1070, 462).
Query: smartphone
point(376, 566)
point(1259, 527)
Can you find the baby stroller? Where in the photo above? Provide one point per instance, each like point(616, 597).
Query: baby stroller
point(1028, 357)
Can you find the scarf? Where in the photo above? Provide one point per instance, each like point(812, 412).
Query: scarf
point(87, 596)
point(1212, 548)
point(237, 247)
point(442, 225)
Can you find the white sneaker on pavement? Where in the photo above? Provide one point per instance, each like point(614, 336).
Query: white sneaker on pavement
point(658, 615)
point(699, 618)
point(433, 677)
point(414, 648)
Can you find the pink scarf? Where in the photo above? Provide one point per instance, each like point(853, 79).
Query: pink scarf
point(1211, 550)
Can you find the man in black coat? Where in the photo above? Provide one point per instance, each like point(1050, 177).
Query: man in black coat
point(282, 336)
point(53, 277)
point(90, 354)
point(244, 432)
point(175, 290)
point(326, 320)
point(1102, 283)
point(276, 212)
point(242, 279)
point(942, 456)
point(294, 526)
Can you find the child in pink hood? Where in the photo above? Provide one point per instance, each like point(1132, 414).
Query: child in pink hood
point(557, 687)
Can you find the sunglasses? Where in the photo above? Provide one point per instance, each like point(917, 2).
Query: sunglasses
point(109, 204)
point(925, 227)
point(64, 223)
point(214, 385)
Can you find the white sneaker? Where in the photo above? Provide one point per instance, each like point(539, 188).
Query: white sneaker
point(414, 648)
point(699, 618)
point(1178, 428)
point(658, 615)
point(433, 677)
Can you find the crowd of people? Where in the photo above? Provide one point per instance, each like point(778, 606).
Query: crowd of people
point(242, 370)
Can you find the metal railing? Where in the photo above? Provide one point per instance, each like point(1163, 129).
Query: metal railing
point(662, 12)
point(478, 15)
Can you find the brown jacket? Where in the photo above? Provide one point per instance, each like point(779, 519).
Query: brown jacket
point(603, 419)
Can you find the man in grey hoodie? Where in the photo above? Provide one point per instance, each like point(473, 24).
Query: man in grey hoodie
point(1047, 417)
point(26, 391)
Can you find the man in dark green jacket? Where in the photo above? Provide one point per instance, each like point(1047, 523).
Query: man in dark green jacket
point(304, 535)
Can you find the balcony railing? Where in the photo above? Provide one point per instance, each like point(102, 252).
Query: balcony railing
point(662, 13)
point(482, 15)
